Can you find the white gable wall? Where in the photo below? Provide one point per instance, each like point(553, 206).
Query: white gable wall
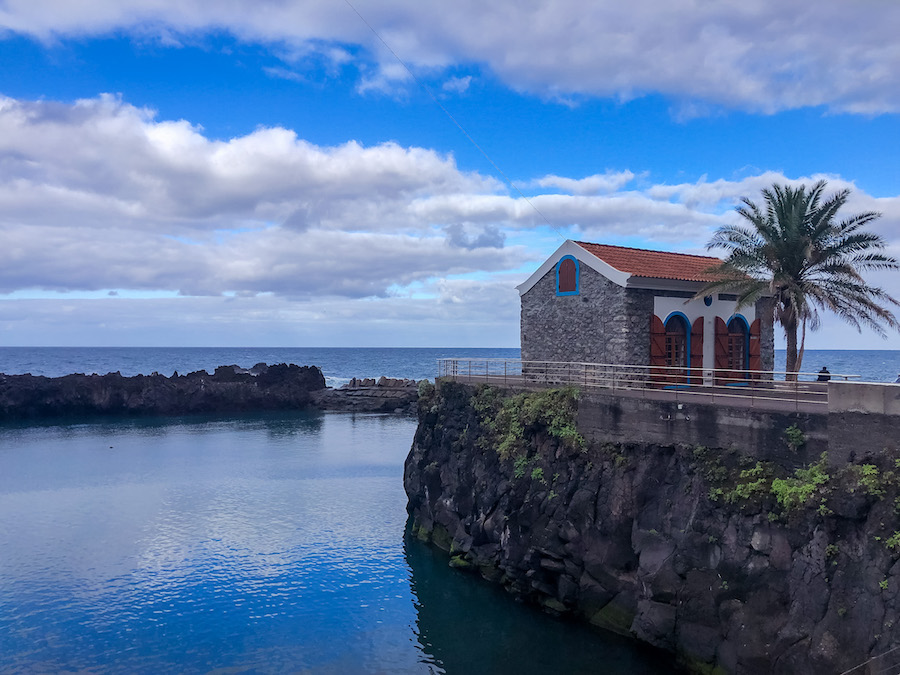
point(569, 247)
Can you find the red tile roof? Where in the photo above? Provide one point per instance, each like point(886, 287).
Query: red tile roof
point(654, 264)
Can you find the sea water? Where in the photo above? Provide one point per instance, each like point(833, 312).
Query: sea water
point(337, 364)
point(255, 544)
point(262, 543)
point(340, 364)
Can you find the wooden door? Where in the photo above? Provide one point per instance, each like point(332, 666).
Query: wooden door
point(755, 360)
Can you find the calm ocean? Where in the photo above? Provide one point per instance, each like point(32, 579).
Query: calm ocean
point(337, 364)
point(340, 364)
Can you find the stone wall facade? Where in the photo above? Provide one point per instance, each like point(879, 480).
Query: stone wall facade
point(604, 323)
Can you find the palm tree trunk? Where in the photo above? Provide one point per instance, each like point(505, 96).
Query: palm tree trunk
point(799, 364)
point(790, 332)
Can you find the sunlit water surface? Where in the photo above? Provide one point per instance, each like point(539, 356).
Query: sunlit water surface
point(261, 544)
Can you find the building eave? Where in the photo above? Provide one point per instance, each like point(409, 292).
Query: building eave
point(655, 284)
point(617, 276)
point(569, 247)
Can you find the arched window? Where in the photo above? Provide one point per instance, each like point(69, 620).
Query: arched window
point(567, 276)
point(676, 350)
point(738, 344)
point(676, 342)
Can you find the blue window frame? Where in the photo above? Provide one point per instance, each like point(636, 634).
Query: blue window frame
point(678, 355)
point(570, 278)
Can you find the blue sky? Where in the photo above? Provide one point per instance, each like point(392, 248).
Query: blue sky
point(190, 173)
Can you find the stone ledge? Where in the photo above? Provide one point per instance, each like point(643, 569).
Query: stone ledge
point(864, 397)
point(369, 395)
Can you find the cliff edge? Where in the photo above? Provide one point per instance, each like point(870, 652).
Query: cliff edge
point(733, 564)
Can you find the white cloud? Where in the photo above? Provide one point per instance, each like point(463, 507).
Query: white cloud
point(461, 313)
point(719, 196)
point(136, 203)
point(606, 182)
point(281, 73)
point(458, 85)
point(299, 233)
point(760, 55)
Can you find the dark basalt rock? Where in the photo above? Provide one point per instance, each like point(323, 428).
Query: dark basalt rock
point(229, 389)
point(368, 395)
point(627, 537)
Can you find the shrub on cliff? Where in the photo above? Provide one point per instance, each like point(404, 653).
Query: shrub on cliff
point(795, 492)
point(509, 421)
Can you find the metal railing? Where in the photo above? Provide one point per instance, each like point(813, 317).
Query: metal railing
point(763, 389)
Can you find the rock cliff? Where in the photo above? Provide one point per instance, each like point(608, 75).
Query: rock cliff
point(733, 564)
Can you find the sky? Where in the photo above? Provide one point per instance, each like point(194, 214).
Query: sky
point(384, 173)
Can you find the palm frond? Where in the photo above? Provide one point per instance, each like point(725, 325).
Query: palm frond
point(791, 247)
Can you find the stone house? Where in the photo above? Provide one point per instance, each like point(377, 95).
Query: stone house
point(594, 303)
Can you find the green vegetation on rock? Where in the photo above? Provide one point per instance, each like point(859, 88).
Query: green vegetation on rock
point(613, 617)
point(753, 482)
point(426, 389)
point(519, 466)
point(794, 437)
point(460, 562)
point(509, 421)
point(870, 480)
point(737, 481)
point(797, 491)
point(893, 542)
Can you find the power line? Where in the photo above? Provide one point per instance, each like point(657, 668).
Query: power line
point(454, 120)
point(879, 656)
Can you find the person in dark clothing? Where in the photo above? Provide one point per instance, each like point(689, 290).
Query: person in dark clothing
point(824, 375)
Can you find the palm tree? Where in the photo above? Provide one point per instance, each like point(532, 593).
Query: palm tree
point(796, 252)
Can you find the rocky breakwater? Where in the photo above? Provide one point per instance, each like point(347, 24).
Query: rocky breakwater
point(387, 394)
point(733, 564)
point(229, 389)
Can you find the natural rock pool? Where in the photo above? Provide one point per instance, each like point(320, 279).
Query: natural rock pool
point(264, 543)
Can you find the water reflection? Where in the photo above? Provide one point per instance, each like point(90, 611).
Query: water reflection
point(278, 424)
point(467, 625)
point(261, 543)
point(267, 543)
